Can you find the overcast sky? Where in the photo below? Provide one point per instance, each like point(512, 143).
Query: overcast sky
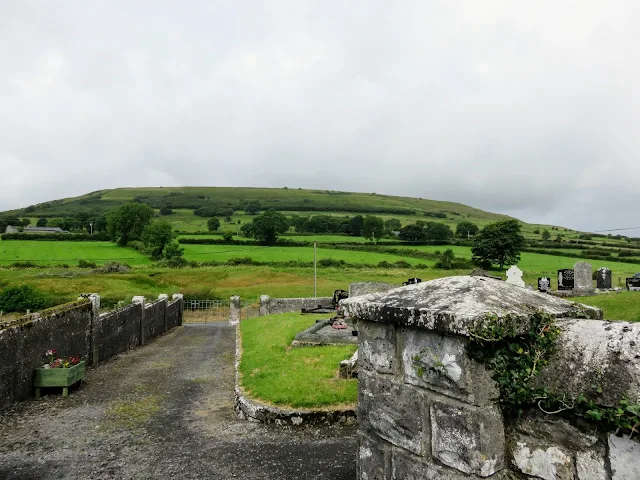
point(526, 108)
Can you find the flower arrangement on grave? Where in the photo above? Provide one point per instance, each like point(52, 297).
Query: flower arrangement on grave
point(54, 361)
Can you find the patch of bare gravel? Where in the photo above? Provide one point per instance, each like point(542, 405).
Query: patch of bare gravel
point(164, 411)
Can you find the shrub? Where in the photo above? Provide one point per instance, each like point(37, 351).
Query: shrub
point(136, 245)
point(330, 262)
point(240, 261)
point(86, 264)
point(24, 265)
point(173, 262)
point(166, 211)
point(227, 236)
point(22, 298)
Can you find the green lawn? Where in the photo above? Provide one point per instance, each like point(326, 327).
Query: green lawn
point(536, 265)
point(616, 306)
point(51, 252)
point(223, 253)
point(301, 377)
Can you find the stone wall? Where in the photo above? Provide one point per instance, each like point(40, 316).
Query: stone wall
point(154, 319)
point(270, 305)
point(66, 328)
point(76, 328)
point(117, 332)
point(427, 410)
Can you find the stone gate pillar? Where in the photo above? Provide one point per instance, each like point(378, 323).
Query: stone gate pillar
point(425, 408)
point(234, 310)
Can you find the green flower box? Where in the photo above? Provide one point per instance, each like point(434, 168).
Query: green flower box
point(58, 377)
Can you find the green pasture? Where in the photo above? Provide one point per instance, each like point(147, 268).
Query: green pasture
point(51, 252)
point(299, 377)
point(536, 265)
point(223, 253)
point(616, 306)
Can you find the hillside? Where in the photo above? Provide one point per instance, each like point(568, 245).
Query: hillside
point(282, 199)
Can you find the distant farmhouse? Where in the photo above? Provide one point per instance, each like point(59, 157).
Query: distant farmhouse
point(12, 229)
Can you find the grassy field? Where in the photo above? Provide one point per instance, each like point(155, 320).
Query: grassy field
point(223, 253)
point(47, 253)
point(536, 265)
point(301, 377)
point(616, 306)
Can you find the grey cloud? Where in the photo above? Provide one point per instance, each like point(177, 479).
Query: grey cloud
point(524, 109)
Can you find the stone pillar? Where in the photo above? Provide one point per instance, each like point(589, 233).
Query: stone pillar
point(583, 279)
point(234, 310)
point(264, 304)
point(425, 408)
point(141, 300)
point(180, 297)
point(94, 326)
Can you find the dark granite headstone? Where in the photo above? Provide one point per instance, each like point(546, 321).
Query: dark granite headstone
point(603, 278)
point(412, 281)
point(544, 284)
point(565, 279)
point(633, 283)
point(339, 295)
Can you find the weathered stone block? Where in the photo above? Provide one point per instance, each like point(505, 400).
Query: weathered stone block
point(590, 465)
point(439, 362)
point(377, 350)
point(624, 455)
point(542, 459)
point(391, 410)
point(364, 288)
point(374, 458)
point(468, 439)
point(405, 466)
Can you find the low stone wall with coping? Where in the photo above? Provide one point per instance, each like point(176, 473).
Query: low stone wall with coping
point(427, 409)
point(269, 305)
point(77, 328)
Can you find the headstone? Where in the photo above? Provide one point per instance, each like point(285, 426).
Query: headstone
point(411, 281)
point(633, 283)
point(339, 295)
point(583, 279)
point(514, 276)
point(544, 284)
point(603, 278)
point(565, 279)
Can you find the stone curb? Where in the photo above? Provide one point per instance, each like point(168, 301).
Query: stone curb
point(254, 411)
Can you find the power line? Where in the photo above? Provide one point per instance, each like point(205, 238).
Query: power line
point(616, 229)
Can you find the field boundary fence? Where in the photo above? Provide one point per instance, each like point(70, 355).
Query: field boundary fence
point(205, 311)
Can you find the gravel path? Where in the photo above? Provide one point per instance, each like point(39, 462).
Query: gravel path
point(164, 411)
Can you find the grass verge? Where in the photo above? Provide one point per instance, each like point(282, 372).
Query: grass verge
point(302, 377)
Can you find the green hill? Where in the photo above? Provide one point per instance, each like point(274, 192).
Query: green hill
point(282, 199)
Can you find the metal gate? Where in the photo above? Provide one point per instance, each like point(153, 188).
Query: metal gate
point(205, 311)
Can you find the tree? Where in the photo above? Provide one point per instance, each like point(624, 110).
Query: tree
point(465, 228)
point(546, 235)
point(26, 222)
point(156, 236)
point(165, 210)
point(558, 239)
point(446, 260)
point(213, 224)
point(393, 224)
point(267, 226)
point(128, 221)
point(42, 222)
point(412, 233)
point(252, 207)
point(372, 227)
point(355, 225)
point(438, 231)
point(499, 243)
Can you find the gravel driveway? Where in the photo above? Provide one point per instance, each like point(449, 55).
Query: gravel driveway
point(164, 411)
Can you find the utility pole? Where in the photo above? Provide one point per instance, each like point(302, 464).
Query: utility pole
point(91, 227)
point(315, 279)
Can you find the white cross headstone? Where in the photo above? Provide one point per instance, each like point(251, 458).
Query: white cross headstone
point(514, 276)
